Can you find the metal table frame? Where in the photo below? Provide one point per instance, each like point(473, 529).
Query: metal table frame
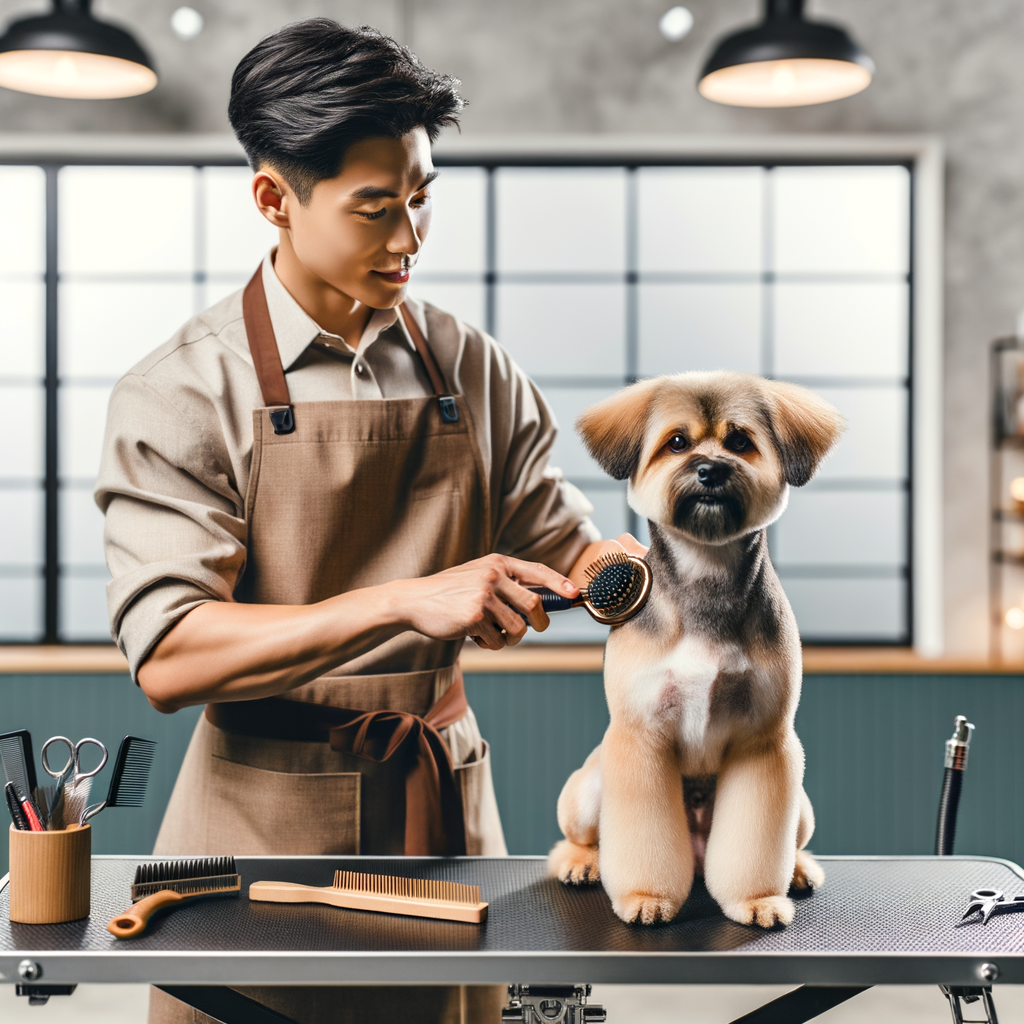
point(201, 977)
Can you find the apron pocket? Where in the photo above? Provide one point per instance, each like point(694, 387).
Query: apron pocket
point(257, 811)
point(484, 835)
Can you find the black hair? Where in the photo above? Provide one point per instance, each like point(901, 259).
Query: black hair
point(302, 96)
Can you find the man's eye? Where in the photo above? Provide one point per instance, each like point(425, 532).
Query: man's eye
point(678, 443)
point(376, 215)
point(738, 442)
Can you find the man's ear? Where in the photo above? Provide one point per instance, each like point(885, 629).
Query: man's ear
point(613, 430)
point(805, 428)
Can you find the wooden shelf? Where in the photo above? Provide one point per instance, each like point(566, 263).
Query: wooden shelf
point(107, 659)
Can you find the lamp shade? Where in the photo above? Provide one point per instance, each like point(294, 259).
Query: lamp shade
point(70, 53)
point(785, 61)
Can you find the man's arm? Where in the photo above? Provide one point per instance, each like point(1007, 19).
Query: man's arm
point(224, 651)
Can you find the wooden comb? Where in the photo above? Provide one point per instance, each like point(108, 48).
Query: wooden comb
point(160, 884)
point(385, 894)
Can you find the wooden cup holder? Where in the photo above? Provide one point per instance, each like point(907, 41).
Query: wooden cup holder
point(50, 875)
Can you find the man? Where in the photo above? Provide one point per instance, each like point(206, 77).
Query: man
point(317, 490)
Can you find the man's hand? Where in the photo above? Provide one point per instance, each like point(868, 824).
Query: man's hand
point(473, 600)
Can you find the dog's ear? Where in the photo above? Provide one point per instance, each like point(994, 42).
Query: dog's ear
point(805, 428)
point(613, 430)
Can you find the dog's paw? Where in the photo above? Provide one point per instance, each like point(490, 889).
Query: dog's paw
point(574, 864)
point(645, 908)
point(808, 873)
point(766, 911)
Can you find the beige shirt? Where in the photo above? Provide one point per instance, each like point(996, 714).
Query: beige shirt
point(178, 448)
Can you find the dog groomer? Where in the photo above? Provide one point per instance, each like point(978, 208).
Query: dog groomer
point(316, 490)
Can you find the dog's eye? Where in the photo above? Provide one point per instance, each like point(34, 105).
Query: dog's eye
point(678, 443)
point(738, 442)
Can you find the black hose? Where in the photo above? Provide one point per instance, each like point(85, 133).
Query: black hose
point(949, 804)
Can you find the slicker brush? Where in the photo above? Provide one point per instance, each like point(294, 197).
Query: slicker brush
point(161, 884)
point(618, 586)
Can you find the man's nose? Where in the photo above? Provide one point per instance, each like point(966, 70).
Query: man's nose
point(713, 474)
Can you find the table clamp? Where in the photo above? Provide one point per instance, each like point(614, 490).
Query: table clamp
point(551, 1004)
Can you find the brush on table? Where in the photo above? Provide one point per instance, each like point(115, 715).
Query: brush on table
point(161, 884)
point(385, 894)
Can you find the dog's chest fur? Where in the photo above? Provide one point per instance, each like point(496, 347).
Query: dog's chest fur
point(704, 660)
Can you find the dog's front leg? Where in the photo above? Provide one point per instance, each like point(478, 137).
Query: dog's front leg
point(646, 854)
point(752, 847)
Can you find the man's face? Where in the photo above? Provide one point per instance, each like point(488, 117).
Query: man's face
point(362, 231)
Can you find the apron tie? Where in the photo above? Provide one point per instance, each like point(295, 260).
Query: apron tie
point(433, 804)
point(434, 820)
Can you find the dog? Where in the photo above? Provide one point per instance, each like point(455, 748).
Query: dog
point(700, 768)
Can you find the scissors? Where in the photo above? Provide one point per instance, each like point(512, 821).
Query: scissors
point(990, 901)
point(73, 765)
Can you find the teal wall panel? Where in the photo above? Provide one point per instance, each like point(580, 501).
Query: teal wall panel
point(874, 752)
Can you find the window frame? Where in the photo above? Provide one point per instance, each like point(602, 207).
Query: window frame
point(921, 154)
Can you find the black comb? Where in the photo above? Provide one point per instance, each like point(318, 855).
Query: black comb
point(130, 777)
point(18, 763)
point(188, 877)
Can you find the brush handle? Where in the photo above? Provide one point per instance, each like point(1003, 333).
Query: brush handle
point(552, 602)
point(134, 920)
point(293, 892)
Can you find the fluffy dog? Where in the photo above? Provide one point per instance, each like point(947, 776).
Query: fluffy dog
point(700, 766)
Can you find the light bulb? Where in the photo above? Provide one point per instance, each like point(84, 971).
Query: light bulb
point(1015, 618)
point(675, 24)
point(187, 22)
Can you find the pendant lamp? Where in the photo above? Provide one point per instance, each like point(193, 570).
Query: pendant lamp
point(70, 53)
point(785, 62)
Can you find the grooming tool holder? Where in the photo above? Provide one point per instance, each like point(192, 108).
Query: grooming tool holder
point(50, 875)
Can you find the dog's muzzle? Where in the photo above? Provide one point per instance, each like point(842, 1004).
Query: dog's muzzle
point(709, 508)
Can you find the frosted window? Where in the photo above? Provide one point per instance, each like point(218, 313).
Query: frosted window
point(865, 528)
point(23, 228)
point(236, 235)
point(81, 528)
point(127, 220)
point(832, 330)
point(570, 627)
point(22, 329)
point(21, 526)
point(610, 513)
point(841, 219)
point(571, 220)
point(107, 327)
point(700, 220)
point(24, 406)
point(699, 327)
point(572, 330)
point(21, 608)
point(875, 443)
point(848, 610)
point(457, 240)
point(468, 302)
point(220, 288)
point(83, 608)
point(83, 417)
point(568, 453)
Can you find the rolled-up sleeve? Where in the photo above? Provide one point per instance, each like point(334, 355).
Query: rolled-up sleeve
point(174, 536)
point(541, 516)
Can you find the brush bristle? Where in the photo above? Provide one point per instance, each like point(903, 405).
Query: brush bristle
point(189, 877)
point(130, 777)
point(614, 582)
point(407, 888)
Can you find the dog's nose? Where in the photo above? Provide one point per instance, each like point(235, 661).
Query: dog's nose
point(713, 474)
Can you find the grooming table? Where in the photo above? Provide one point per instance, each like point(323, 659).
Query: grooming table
point(877, 921)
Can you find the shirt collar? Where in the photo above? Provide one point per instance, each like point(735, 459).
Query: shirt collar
point(295, 330)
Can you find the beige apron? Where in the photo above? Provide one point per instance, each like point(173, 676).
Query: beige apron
point(344, 495)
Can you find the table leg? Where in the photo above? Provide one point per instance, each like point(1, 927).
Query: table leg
point(970, 995)
point(802, 1004)
point(224, 1005)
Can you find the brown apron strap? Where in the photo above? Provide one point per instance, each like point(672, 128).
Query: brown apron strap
point(265, 355)
point(449, 410)
point(434, 822)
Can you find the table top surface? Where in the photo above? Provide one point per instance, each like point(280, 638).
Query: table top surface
point(877, 920)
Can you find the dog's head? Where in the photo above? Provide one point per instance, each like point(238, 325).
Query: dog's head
point(711, 454)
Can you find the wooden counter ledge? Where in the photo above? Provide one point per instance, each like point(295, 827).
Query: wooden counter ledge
point(107, 659)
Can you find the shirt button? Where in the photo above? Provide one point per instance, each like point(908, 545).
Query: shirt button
point(359, 369)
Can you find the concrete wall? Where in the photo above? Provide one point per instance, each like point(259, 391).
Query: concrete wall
point(952, 68)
